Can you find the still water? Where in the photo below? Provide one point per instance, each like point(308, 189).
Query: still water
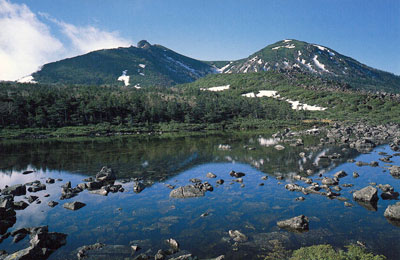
point(150, 217)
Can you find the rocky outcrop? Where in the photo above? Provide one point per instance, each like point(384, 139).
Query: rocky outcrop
point(74, 205)
point(367, 194)
point(395, 171)
point(299, 223)
point(106, 174)
point(188, 191)
point(15, 190)
point(393, 212)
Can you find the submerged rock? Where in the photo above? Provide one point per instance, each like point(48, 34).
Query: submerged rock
point(15, 190)
point(299, 223)
point(237, 236)
point(188, 191)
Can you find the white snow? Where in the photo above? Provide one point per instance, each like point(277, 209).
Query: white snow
point(324, 49)
point(299, 53)
point(287, 40)
point(219, 88)
point(124, 78)
point(260, 61)
point(319, 65)
point(137, 86)
point(222, 70)
point(296, 105)
point(183, 65)
point(142, 66)
point(27, 79)
point(142, 74)
point(268, 142)
point(288, 46)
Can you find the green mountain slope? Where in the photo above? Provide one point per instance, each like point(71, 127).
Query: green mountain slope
point(144, 65)
point(293, 55)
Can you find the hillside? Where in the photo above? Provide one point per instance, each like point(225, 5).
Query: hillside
point(144, 65)
point(299, 56)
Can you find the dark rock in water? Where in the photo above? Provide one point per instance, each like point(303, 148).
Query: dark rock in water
point(106, 174)
point(138, 187)
point(390, 195)
point(173, 244)
point(393, 212)
point(367, 194)
point(340, 174)
point(82, 251)
point(236, 174)
point(329, 181)
point(20, 205)
point(374, 164)
point(348, 204)
point(195, 180)
point(363, 145)
point(371, 206)
point(74, 205)
point(386, 159)
point(395, 171)
point(300, 199)
point(50, 181)
point(37, 188)
point(27, 172)
point(299, 223)
point(188, 191)
point(220, 181)
point(237, 236)
point(15, 190)
point(170, 186)
point(32, 198)
point(360, 163)
point(18, 237)
point(66, 185)
point(293, 187)
point(211, 175)
point(94, 185)
point(7, 219)
point(89, 179)
point(356, 175)
point(385, 187)
point(52, 204)
point(6, 201)
point(42, 244)
point(102, 192)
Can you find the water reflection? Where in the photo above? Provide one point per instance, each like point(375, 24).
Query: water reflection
point(152, 216)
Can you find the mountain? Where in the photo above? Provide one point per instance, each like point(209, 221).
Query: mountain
point(293, 55)
point(143, 65)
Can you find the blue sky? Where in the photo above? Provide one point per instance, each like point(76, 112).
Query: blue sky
point(368, 31)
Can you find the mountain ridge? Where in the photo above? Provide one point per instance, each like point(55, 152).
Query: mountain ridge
point(155, 64)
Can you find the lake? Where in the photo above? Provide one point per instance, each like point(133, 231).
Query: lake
point(200, 225)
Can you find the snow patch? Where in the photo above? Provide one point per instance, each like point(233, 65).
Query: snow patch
point(219, 88)
point(27, 79)
point(137, 86)
point(287, 40)
point(222, 70)
point(142, 66)
point(183, 65)
point(325, 49)
point(124, 78)
point(319, 65)
point(141, 74)
point(268, 142)
point(288, 46)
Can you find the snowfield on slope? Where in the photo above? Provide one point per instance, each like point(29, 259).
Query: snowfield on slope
point(219, 88)
point(296, 105)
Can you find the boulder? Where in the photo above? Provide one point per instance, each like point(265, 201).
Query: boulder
point(106, 174)
point(340, 174)
point(237, 236)
point(94, 185)
point(102, 192)
point(211, 175)
point(37, 188)
point(138, 187)
point(393, 211)
point(395, 171)
point(6, 201)
point(329, 181)
point(74, 205)
point(52, 204)
point(15, 190)
point(20, 205)
point(188, 191)
point(7, 219)
point(27, 172)
point(299, 223)
point(367, 194)
point(236, 174)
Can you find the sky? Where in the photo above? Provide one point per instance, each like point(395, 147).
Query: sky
point(35, 32)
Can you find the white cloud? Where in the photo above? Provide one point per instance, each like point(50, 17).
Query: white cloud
point(26, 43)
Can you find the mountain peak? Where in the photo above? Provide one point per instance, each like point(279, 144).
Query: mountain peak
point(143, 44)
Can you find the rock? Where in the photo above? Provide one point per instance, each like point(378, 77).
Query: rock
point(390, 195)
point(18, 237)
point(367, 194)
point(348, 204)
point(6, 201)
point(106, 174)
point(385, 187)
point(170, 186)
point(374, 164)
point(300, 199)
point(7, 219)
point(237, 236)
point(329, 181)
point(299, 223)
point(37, 188)
point(138, 187)
point(355, 175)
point(279, 147)
point(32, 198)
point(173, 244)
point(395, 171)
point(340, 174)
point(15, 190)
point(293, 187)
point(94, 185)
point(220, 181)
point(393, 211)
point(52, 204)
point(82, 186)
point(74, 205)
point(102, 192)
point(236, 174)
point(336, 188)
point(195, 180)
point(82, 251)
point(211, 175)
point(27, 172)
point(188, 191)
point(50, 181)
point(66, 185)
point(20, 205)
point(160, 255)
point(265, 177)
